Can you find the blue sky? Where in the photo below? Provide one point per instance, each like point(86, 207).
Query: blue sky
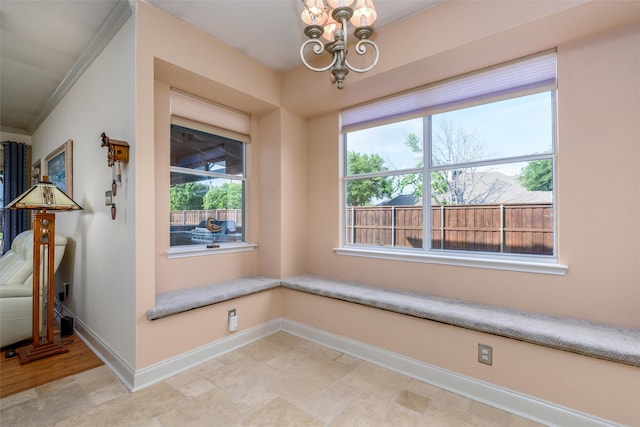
point(513, 127)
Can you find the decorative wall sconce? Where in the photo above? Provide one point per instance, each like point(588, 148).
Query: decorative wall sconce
point(329, 19)
point(118, 153)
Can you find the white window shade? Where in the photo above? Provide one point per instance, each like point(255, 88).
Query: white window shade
point(216, 118)
point(531, 74)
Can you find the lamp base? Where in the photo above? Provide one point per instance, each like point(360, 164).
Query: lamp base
point(30, 353)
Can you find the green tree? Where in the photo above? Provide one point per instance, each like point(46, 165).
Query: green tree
point(451, 145)
point(362, 192)
point(187, 196)
point(537, 175)
point(225, 196)
point(439, 186)
point(413, 180)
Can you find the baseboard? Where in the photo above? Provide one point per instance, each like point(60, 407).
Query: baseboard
point(525, 406)
point(136, 380)
point(499, 397)
point(117, 364)
point(167, 368)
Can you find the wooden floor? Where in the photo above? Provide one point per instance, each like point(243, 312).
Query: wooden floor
point(15, 377)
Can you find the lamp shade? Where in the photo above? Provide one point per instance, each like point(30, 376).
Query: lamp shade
point(46, 196)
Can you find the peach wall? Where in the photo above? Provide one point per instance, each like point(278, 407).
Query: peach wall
point(283, 195)
point(598, 153)
point(172, 54)
point(598, 174)
point(597, 132)
point(293, 182)
point(184, 332)
point(452, 38)
point(605, 389)
point(270, 195)
point(187, 272)
point(295, 162)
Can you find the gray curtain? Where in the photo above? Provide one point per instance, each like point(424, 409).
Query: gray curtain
point(16, 175)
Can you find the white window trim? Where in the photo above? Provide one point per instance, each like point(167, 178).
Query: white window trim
point(200, 250)
point(410, 105)
point(196, 113)
point(524, 264)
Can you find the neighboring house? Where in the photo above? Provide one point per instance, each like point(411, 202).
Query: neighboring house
point(502, 188)
point(498, 188)
point(401, 200)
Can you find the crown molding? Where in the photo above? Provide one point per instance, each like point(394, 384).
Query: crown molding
point(17, 131)
point(116, 18)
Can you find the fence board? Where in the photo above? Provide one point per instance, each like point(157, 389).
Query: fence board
point(515, 228)
point(194, 217)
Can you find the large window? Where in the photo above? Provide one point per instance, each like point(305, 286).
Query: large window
point(462, 167)
point(208, 180)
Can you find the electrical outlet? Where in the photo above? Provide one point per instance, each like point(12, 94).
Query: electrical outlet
point(233, 320)
point(485, 354)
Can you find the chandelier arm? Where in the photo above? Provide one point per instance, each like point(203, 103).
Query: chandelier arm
point(317, 49)
point(361, 49)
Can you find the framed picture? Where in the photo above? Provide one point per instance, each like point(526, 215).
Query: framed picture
point(58, 166)
point(35, 172)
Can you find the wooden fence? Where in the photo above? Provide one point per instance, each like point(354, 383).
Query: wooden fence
point(507, 228)
point(194, 217)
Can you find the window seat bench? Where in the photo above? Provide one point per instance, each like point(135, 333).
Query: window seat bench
point(599, 340)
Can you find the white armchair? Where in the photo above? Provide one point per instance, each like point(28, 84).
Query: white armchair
point(16, 287)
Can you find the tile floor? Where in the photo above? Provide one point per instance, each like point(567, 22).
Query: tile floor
point(280, 380)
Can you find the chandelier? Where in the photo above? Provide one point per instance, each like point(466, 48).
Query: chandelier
point(329, 19)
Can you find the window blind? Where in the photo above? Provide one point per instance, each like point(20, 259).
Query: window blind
point(190, 111)
point(535, 73)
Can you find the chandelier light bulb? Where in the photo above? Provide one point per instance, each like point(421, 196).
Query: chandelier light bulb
point(339, 3)
point(330, 28)
point(364, 14)
point(314, 12)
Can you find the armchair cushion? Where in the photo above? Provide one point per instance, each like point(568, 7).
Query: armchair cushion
point(16, 286)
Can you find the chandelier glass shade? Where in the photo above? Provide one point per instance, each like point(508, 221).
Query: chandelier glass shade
point(329, 20)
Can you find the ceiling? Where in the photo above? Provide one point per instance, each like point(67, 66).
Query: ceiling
point(46, 45)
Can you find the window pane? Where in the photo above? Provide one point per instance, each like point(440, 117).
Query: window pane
point(385, 211)
point(514, 127)
point(207, 189)
point(486, 165)
point(203, 151)
point(385, 148)
point(504, 208)
point(206, 210)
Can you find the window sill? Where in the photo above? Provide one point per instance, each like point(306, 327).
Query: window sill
point(201, 250)
point(526, 265)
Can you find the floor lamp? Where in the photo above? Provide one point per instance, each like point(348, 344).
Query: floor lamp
point(43, 197)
